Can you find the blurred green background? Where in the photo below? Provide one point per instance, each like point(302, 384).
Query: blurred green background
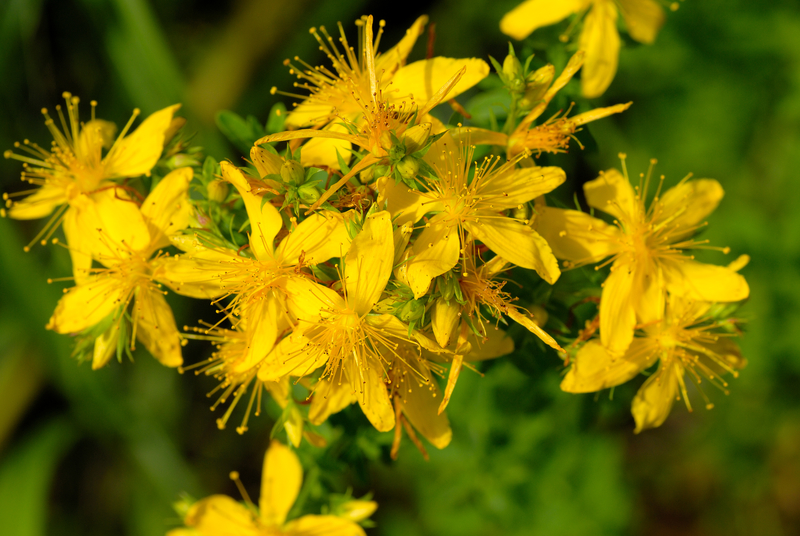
point(100, 453)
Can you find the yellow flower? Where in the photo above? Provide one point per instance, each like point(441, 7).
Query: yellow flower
point(282, 476)
point(646, 246)
point(339, 333)
point(345, 92)
point(686, 344)
point(123, 239)
point(552, 136)
point(382, 115)
point(74, 169)
point(258, 285)
point(468, 207)
point(599, 37)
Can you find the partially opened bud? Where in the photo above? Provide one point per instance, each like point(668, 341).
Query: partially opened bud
point(416, 137)
point(293, 172)
point(408, 167)
point(217, 190)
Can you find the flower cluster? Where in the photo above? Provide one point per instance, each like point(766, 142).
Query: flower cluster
point(363, 250)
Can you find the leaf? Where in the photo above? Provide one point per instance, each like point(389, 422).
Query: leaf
point(276, 119)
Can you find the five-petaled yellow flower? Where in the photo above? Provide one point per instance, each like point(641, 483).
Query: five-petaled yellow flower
point(599, 38)
point(282, 476)
point(69, 174)
point(123, 242)
point(685, 343)
point(646, 246)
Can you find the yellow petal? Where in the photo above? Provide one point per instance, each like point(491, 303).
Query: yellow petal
point(653, 402)
point(648, 291)
point(444, 320)
point(532, 14)
point(368, 263)
point(263, 318)
point(194, 277)
point(617, 316)
point(219, 515)
point(595, 369)
point(105, 346)
point(600, 40)
point(279, 391)
point(706, 282)
point(395, 57)
point(80, 241)
point(479, 136)
point(422, 79)
point(266, 162)
point(87, 304)
point(291, 357)
point(39, 204)
point(420, 405)
point(265, 221)
point(280, 483)
point(306, 300)
point(137, 153)
point(366, 379)
point(644, 18)
point(434, 252)
point(516, 243)
point(321, 152)
point(123, 229)
point(167, 209)
point(312, 525)
point(576, 236)
point(689, 203)
point(405, 205)
point(519, 186)
point(318, 238)
point(531, 325)
point(612, 193)
point(155, 327)
point(329, 397)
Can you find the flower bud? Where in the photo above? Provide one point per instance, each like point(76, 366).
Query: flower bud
point(416, 137)
point(536, 86)
point(309, 194)
point(512, 74)
point(293, 172)
point(412, 310)
point(357, 510)
point(408, 167)
point(217, 190)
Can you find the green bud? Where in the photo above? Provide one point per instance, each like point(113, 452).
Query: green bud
point(512, 73)
point(408, 167)
point(217, 190)
point(379, 171)
point(536, 85)
point(446, 286)
point(309, 194)
point(293, 172)
point(397, 152)
point(411, 311)
point(366, 176)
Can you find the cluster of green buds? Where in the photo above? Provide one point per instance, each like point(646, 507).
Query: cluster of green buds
point(526, 87)
point(405, 157)
point(298, 185)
